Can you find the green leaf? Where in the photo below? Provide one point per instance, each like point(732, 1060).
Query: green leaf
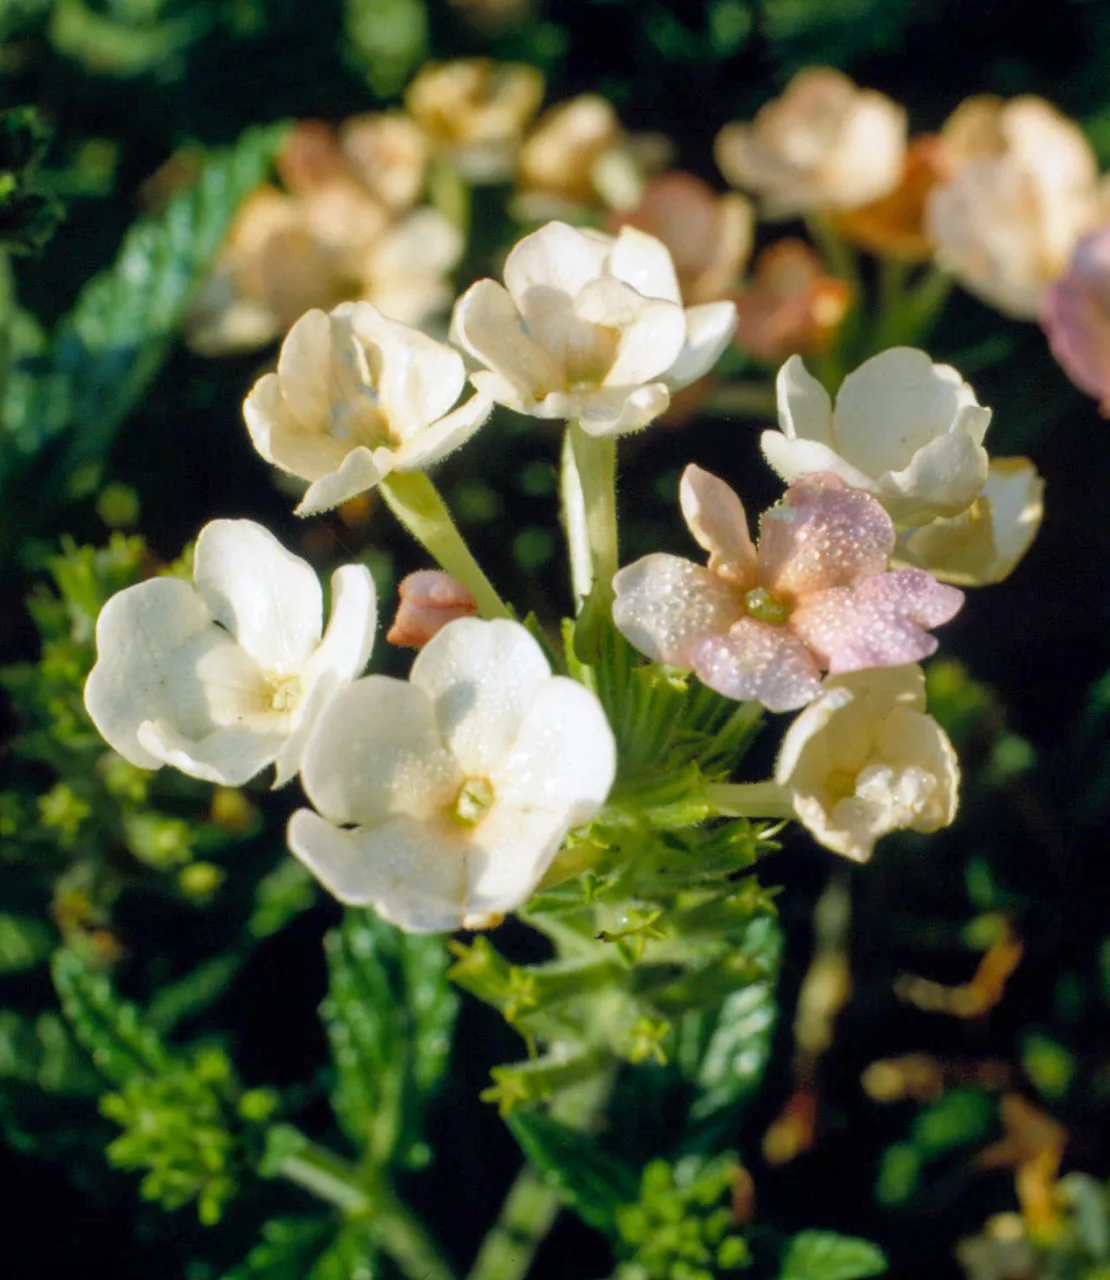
point(193, 993)
point(389, 1015)
point(594, 1183)
point(112, 1030)
point(106, 352)
point(823, 1255)
point(43, 1053)
point(24, 942)
point(287, 1247)
point(104, 46)
point(280, 896)
point(386, 40)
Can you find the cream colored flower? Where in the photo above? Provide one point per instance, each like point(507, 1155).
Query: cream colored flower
point(406, 272)
point(825, 144)
point(904, 429)
point(356, 396)
point(475, 111)
point(443, 799)
point(579, 155)
point(1025, 189)
point(985, 543)
point(588, 328)
point(225, 677)
point(389, 152)
point(864, 759)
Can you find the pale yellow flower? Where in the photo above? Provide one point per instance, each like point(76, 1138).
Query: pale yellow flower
point(389, 152)
point(825, 144)
point(864, 759)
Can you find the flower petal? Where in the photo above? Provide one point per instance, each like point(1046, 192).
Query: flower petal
point(376, 751)
point(645, 263)
point(412, 878)
point(822, 535)
point(666, 606)
point(480, 677)
point(715, 516)
point(441, 438)
point(896, 403)
point(507, 856)
point(302, 369)
point(793, 459)
point(709, 328)
point(281, 439)
point(943, 478)
point(360, 469)
point(758, 662)
point(552, 265)
point(228, 756)
point(265, 596)
point(651, 332)
point(881, 623)
point(805, 410)
point(488, 325)
point(418, 379)
point(617, 411)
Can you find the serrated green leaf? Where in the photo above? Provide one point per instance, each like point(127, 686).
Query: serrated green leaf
point(389, 1015)
point(42, 1053)
point(24, 942)
point(824, 1255)
point(108, 349)
point(112, 1030)
point(594, 1183)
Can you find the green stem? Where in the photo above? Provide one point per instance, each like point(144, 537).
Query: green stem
point(527, 1215)
point(749, 799)
point(574, 524)
point(592, 518)
point(416, 502)
point(360, 1195)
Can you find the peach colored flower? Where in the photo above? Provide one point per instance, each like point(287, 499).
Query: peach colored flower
point(1076, 317)
point(816, 595)
point(792, 306)
point(825, 144)
point(709, 235)
point(894, 225)
point(389, 153)
point(429, 599)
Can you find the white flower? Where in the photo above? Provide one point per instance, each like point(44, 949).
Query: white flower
point(589, 328)
point(906, 430)
point(1025, 189)
point(221, 679)
point(825, 144)
point(985, 543)
point(864, 759)
point(445, 798)
point(356, 396)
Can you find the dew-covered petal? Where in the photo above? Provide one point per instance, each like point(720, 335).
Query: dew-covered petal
point(665, 606)
point(883, 622)
point(551, 266)
point(715, 516)
point(360, 469)
point(376, 751)
point(265, 596)
point(645, 263)
point(507, 856)
point(228, 756)
point(441, 438)
point(411, 876)
point(618, 411)
point(651, 332)
point(709, 329)
point(805, 410)
point(488, 325)
point(480, 678)
point(896, 403)
point(757, 662)
point(822, 535)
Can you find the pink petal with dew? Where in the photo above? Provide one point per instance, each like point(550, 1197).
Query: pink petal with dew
point(883, 622)
point(1075, 315)
point(715, 516)
point(666, 606)
point(758, 662)
point(821, 535)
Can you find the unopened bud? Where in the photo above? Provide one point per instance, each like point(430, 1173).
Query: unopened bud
point(430, 599)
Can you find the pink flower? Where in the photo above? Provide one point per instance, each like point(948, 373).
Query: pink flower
point(429, 600)
point(1075, 314)
point(816, 595)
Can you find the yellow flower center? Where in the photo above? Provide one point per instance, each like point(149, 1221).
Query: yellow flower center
point(763, 606)
point(474, 800)
point(285, 692)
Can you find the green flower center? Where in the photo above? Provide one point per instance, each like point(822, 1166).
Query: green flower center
point(763, 606)
point(474, 800)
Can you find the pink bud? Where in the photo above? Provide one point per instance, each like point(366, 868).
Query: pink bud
point(430, 599)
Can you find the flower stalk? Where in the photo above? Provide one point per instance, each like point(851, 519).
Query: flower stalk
point(589, 483)
point(749, 800)
point(417, 503)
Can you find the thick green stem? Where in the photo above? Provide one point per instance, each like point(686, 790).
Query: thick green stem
point(327, 1177)
point(749, 800)
point(416, 502)
point(527, 1215)
point(400, 1234)
point(590, 509)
